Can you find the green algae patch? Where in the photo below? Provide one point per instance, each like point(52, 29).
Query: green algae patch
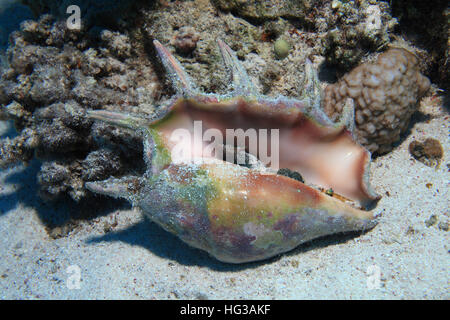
point(199, 191)
point(268, 239)
point(162, 157)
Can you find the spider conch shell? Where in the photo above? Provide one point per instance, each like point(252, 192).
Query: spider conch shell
point(247, 213)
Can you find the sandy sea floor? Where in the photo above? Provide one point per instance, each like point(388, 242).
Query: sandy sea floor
point(119, 254)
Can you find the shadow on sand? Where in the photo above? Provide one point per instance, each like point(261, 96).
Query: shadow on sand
point(150, 236)
point(52, 213)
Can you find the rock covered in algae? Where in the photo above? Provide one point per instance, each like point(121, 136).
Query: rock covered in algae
point(350, 29)
point(53, 75)
point(386, 94)
point(267, 9)
point(185, 40)
point(354, 29)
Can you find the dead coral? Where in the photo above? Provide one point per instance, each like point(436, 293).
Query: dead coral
point(353, 30)
point(349, 29)
point(21, 148)
point(15, 111)
point(51, 79)
point(53, 179)
point(57, 178)
point(118, 44)
point(386, 94)
point(263, 10)
point(92, 11)
point(101, 164)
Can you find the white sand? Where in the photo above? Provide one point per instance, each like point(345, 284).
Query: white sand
point(137, 259)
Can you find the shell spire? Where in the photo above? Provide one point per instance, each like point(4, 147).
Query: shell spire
point(180, 79)
point(242, 84)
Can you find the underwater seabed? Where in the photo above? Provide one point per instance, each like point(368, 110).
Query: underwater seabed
point(105, 249)
point(120, 254)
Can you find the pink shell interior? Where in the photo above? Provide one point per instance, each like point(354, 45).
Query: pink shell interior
point(326, 156)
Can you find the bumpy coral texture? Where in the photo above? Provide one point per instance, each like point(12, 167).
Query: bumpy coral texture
point(385, 93)
point(53, 75)
point(355, 30)
point(265, 9)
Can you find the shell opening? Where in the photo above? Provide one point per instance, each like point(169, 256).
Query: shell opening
point(242, 132)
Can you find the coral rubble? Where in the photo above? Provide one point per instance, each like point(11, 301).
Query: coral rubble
point(54, 75)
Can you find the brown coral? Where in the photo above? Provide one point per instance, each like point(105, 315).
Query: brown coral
point(385, 95)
